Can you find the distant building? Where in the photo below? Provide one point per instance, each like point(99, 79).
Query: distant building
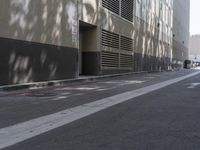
point(59, 39)
point(194, 50)
point(181, 35)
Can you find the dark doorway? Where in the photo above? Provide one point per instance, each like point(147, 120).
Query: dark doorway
point(89, 57)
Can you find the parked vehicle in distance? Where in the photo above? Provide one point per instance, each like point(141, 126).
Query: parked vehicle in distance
point(187, 64)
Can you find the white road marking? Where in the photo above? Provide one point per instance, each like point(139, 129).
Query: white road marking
point(60, 98)
point(118, 84)
point(193, 85)
point(29, 129)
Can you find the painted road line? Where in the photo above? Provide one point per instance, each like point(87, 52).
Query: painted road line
point(193, 85)
point(29, 129)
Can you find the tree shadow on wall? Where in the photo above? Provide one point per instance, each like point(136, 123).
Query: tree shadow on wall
point(88, 11)
point(47, 21)
point(147, 45)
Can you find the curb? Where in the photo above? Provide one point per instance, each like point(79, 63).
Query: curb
point(61, 82)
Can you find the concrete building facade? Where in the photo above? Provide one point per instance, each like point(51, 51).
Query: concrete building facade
point(38, 40)
point(49, 40)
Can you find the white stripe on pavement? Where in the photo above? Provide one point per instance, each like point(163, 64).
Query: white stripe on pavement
point(29, 129)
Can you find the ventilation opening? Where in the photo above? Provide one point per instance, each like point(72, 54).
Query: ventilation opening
point(112, 5)
point(126, 43)
point(127, 9)
point(124, 8)
point(117, 51)
point(110, 39)
point(126, 61)
point(109, 59)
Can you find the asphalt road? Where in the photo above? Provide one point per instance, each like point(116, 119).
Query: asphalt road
point(166, 119)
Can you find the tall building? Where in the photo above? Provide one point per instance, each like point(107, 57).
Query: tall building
point(48, 40)
point(181, 33)
point(194, 48)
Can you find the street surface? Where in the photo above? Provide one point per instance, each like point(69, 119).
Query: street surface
point(149, 111)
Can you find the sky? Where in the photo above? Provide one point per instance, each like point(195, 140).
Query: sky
point(194, 17)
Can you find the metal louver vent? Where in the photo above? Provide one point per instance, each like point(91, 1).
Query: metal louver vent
point(112, 5)
point(109, 59)
point(126, 43)
point(116, 51)
point(110, 39)
point(127, 9)
point(126, 61)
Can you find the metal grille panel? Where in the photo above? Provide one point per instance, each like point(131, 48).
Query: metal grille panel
point(126, 61)
point(117, 51)
point(109, 59)
point(112, 5)
point(127, 9)
point(110, 39)
point(126, 43)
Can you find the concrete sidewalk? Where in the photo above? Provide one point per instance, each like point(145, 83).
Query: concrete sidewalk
point(62, 82)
